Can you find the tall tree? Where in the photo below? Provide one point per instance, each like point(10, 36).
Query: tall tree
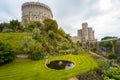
point(114, 46)
point(108, 37)
point(15, 24)
point(39, 24)
point(50, 24)
point(32, 26)
point(4, 25)
point(107, 44)
point(61, 32)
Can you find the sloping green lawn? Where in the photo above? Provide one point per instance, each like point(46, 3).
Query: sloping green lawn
point(36, 70)
point(15, 39)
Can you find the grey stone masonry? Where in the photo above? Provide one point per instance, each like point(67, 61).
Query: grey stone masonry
point(35, 11)
point(86, 33)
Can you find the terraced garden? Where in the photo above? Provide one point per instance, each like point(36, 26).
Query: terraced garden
point(36, 70)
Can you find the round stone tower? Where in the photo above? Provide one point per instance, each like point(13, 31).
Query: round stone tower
point(35, 11)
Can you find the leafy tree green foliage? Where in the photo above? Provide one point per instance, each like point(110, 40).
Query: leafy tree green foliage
point(114, 46)
point(32, 48)
point(91, 75)
point(111, 56)
point(78, 44)
point(27, 44)
point(3, 26)
point(37, 52)
point(52, 39)
point(31, 26)
point(112, 73)
point(43, 39)
point(49, 44)
point(6, 53)
point(53, 42)
point(39, 24)
point(61, 32)
point(15, 25)
point(50, 24)
point(107, 44)
point(64, 46)
point(51, 34)
point(94, 49)
point(118, 60)
point(108, 37)
point(67, 36)
point(36, 33)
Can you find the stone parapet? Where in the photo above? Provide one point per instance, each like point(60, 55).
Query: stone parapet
point(35, 11)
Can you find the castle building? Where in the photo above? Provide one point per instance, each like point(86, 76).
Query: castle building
point(35, 11)
point(75, 39)
point(86, 34)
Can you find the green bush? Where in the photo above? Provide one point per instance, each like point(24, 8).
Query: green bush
point(51, 34)
point(6, 53)
point(91, 75)
point(36, 33)
point(4, 26)
point(31, 26)
point(27, 43)
point(33, 48)
point(94, 49)
point(112, 73)
point(61, 32)
point(36, 51)
point(111, 56)
point(50, 24)
point(118, 59)
point(37, 55)
point(15, 25)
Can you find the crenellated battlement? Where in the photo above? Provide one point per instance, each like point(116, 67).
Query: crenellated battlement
point(35, 4)
point(35, 11)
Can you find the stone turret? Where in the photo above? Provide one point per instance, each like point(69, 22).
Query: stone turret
point(35, 11)
point(86, 34)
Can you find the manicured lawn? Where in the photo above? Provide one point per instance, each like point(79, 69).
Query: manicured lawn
point(36, 70)
point(15, 39)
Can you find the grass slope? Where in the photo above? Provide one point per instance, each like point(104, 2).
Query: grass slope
point(36, 70)
point(15, 39)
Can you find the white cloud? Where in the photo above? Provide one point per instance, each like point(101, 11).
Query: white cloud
point(102, 15)
point(105, 4)
point(107, 22)
point(5, 17)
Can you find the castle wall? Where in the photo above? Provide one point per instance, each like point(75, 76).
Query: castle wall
point(86, 34)
point(35, 11)
point(91, 34)
point(79, 33)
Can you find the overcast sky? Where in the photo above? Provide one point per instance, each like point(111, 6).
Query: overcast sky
point(102, 15)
